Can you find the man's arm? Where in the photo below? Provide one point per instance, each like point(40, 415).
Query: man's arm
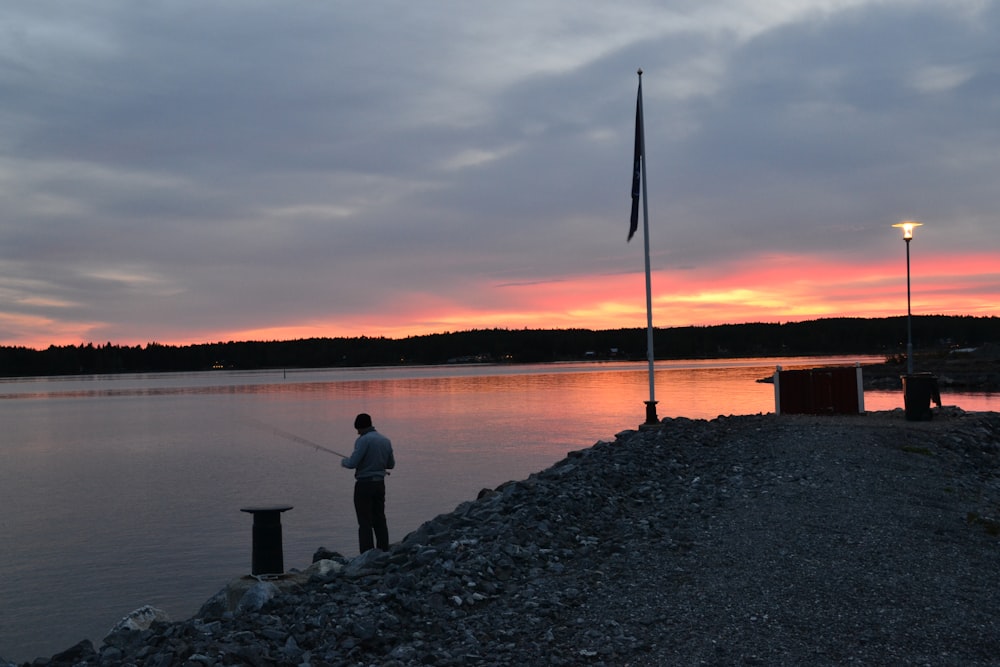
point(356, 456)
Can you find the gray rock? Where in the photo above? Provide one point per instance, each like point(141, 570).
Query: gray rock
point(141, 619)
point(741, 540)
point(256, 597)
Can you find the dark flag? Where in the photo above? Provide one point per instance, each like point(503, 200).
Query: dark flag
point(636, 165)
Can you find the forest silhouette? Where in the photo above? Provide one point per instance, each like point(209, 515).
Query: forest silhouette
point(831, 336)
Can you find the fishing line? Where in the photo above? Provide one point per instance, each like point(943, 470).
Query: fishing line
point(292, 437)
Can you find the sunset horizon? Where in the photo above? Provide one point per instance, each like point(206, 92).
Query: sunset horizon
point(770, 289)
point(356, 172)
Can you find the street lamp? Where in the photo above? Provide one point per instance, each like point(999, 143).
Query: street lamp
point(908, 226)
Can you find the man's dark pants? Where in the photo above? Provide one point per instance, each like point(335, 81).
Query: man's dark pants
point(369, 503)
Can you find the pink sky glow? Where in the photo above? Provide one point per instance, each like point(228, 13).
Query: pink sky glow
point(770, 289)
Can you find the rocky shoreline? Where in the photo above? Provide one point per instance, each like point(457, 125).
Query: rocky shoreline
point(758, 539)
point(962, 370)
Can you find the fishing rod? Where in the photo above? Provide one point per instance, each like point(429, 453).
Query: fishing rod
point(294, 438)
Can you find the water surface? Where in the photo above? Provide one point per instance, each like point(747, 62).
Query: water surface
point(125, 490)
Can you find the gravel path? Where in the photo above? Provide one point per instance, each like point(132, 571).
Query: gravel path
point(836, 541)
point(770, 540)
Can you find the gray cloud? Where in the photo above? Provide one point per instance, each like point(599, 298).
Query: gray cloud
point(169, 171)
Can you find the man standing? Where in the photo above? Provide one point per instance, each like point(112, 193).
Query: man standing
point(371, 458)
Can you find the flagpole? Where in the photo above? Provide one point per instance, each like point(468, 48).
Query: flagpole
point(651, 418)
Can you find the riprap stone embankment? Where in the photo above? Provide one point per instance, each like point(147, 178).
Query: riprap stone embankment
point(742, 540)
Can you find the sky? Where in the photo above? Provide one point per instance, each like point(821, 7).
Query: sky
point(186, 172)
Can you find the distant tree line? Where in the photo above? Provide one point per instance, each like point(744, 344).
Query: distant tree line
point(824, 336)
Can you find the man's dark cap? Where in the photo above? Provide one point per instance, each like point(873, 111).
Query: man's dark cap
point(363, 421)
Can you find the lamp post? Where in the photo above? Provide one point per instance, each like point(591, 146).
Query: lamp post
point(908, 226)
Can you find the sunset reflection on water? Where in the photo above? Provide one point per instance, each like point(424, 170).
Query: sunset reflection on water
point(113, 464)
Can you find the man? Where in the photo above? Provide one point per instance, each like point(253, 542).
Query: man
point(371, 458)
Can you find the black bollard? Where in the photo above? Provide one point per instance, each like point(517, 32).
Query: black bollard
point(268, 557)
point(651, 418)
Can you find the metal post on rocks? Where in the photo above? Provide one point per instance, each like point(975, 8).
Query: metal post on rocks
point(268, 556)
point(919, 389)
point(639, 192)
point(908, 227)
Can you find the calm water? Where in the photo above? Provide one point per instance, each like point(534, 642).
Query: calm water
point(120, 491)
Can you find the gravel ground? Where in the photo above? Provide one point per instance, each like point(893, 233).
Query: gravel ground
point(751, 540)
point(828, 541)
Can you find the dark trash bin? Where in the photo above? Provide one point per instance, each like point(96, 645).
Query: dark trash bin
point(919, 389)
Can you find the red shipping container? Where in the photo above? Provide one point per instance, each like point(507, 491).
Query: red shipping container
point(836, 390)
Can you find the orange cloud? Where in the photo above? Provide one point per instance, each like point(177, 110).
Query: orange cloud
point(772, 288)
point(767, 288)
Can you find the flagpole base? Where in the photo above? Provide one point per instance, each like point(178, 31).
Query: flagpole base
point(652, 421)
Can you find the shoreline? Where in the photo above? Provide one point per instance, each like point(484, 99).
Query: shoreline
point(759, 538)
point(976, 370)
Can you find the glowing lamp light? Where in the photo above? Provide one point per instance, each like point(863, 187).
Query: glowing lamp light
point(908, 226)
